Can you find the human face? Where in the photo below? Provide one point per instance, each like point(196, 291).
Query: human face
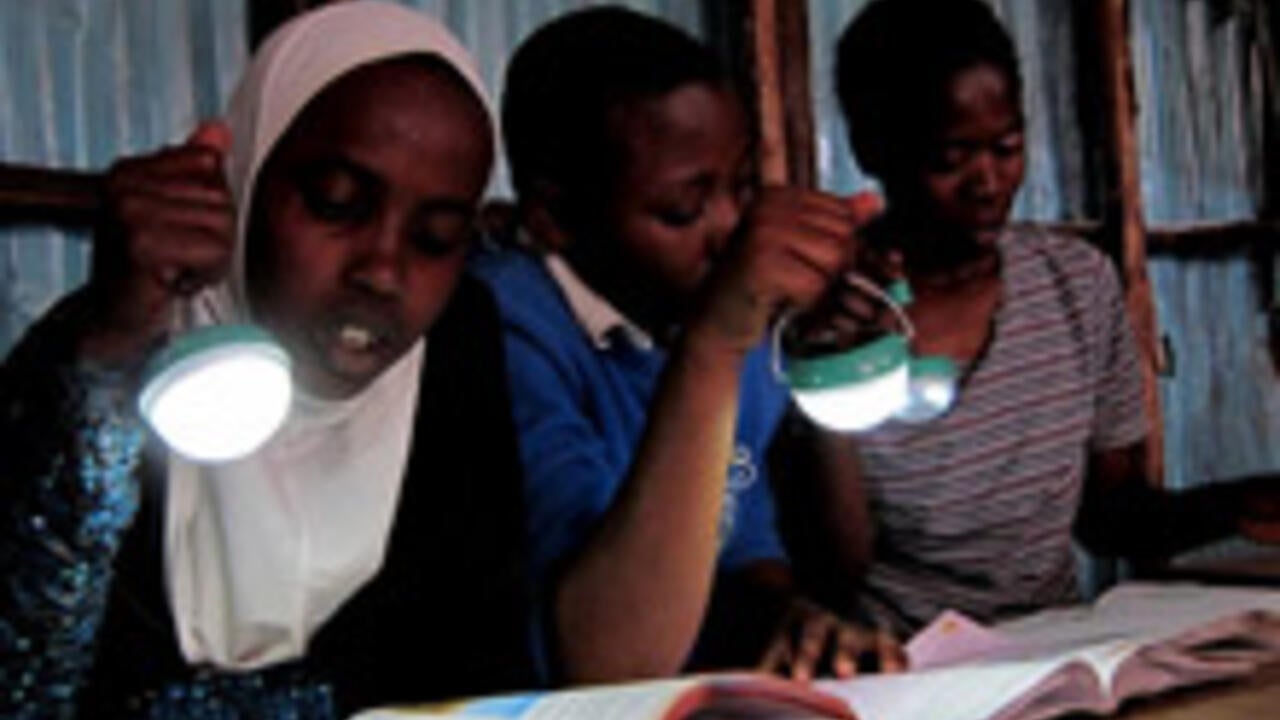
point(684, 175)
point(361, 218)
point(972, 165)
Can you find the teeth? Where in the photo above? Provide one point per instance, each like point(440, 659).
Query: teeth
point(355, 337)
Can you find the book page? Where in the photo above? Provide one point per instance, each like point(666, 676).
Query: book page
point(1138, 639)
point(963, 692)
point(1142, 639)
point(1152, 612)
point(637, 701)
point(951, 639)
point(728, 697)
point(1231, 647)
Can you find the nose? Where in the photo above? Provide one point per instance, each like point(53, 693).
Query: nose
point(984, 176)
point(378, 267)
point(723, 214)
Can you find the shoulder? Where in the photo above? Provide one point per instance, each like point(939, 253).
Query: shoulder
point(1064, 250)
point(1067, 259)
point(513, 275)
point(538, 326)
point(526, 294)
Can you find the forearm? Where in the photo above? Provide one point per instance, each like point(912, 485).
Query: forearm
point(843, 503)
point(823, 510)
point(67, 496)
point(641, 583)
point(1147, 524)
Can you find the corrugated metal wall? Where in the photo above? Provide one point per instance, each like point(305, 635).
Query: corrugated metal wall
point(86, 80)
point(83, 81)
point(1200, 91)
point(1201, 140)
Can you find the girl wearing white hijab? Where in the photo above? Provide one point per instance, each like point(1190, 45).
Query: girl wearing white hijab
point(369, 553)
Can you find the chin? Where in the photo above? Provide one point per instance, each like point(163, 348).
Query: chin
point(986, 237)
point(332, 383)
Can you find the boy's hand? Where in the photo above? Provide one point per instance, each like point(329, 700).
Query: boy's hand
point(791, 247)
point(812, 641)
point(169, 231)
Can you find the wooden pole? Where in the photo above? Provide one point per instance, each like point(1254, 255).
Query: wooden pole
point(768, 89)
point(778, 46)
point(1123, 212)
point(792, 21)
point(1268, 34)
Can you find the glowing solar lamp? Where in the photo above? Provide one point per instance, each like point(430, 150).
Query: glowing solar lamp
point(859, 388)
point(217, 393)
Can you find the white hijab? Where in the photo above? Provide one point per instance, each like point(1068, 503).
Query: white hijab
point(260, 552)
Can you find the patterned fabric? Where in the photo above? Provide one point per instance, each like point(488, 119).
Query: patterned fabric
point(85, 627)
point(69, 444)
point(975, 510)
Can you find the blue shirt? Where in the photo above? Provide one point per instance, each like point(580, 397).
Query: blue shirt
point(580, 408)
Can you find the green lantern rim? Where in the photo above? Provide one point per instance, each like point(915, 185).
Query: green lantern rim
point(866, 362)
point(934, 366)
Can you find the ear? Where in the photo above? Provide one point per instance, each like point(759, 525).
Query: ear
point(542, 213)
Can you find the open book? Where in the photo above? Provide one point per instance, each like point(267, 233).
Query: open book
point(1137, 640)
point(723, 697)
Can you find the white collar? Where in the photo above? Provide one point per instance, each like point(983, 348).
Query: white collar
point(595, 315)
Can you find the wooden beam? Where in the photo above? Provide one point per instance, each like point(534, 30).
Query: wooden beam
point(1198, 240)
point(41, 195)
point(1123, 210)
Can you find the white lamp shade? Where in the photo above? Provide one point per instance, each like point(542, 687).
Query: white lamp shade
point(931, 391)
point(857, 406)
point(218, 393)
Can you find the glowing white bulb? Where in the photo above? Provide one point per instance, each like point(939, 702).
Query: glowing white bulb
point(856, 406)
point(220, 400)
point(929, 398)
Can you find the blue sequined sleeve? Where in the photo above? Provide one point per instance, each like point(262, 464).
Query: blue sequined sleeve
point(69, 448)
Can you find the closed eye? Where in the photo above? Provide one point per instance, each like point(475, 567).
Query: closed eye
point(440, 231)
point(338, 193)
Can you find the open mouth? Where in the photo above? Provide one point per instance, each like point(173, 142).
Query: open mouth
point(356, 338)
point(355, 346)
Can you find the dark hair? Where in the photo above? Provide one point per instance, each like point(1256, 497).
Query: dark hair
point(895, 60)
point(565, 82)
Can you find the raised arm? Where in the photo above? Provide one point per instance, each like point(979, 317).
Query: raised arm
point(70, 439)
point(631, 600)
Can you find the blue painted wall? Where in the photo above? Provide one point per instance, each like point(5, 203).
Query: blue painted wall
point(83, 81)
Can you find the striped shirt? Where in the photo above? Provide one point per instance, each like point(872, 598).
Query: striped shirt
point(974, 510)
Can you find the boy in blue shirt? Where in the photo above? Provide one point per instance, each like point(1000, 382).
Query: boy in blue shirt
point(642, 396)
